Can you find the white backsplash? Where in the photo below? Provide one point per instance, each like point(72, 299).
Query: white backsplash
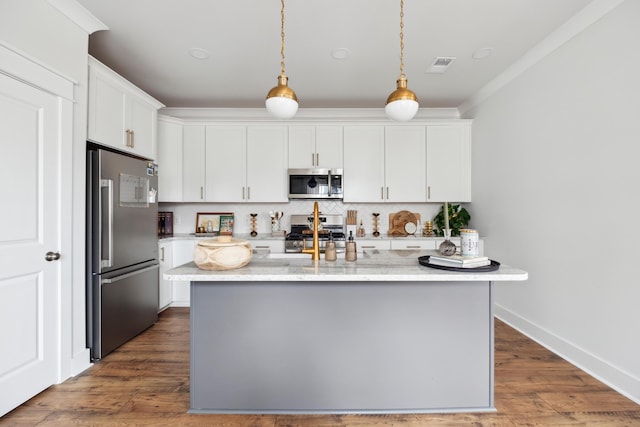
point(185, 213)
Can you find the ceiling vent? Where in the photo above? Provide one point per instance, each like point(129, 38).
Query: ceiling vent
point(440, 64)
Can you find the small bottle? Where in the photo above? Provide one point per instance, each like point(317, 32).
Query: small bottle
point(330, 249)
point(351, 251)
point(361, 230)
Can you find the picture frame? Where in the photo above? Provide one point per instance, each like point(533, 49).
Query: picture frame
point(226, 225)
point(203, 227)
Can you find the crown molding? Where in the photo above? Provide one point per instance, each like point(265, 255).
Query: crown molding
point(303, 114)
point(574, 26)
point(79, 15)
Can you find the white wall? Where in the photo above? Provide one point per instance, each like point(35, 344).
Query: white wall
point(556, 157)
point(40, 31)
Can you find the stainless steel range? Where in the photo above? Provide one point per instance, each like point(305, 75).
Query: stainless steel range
point(302, 232)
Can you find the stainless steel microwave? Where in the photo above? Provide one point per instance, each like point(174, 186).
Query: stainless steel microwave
point(315, 183)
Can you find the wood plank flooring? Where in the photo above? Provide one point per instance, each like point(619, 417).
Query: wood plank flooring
point(146, 383)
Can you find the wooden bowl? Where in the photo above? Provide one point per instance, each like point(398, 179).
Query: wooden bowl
point(222, 253)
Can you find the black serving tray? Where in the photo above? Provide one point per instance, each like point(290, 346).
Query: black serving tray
point(424, 260)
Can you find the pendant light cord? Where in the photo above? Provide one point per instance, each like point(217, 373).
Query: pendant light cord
point(282, 36)
point(401, 38)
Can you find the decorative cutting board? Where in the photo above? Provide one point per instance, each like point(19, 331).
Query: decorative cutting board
point(398, 223)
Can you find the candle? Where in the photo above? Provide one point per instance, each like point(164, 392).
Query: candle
point(446, 216)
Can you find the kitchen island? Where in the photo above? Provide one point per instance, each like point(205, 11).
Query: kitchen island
point(379, 335)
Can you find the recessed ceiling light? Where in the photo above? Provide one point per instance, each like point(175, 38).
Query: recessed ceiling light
point(482, 53)
point(340, 53)
point(199, 53)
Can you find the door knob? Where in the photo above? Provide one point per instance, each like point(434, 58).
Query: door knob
point(52, 256)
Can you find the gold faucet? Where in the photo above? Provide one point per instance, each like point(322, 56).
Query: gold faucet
point(315, 250)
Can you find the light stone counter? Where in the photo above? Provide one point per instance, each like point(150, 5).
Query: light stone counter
point(372, 265)
point(379, 335)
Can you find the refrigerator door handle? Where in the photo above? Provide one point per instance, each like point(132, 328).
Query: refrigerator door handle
point(108, 184)
point(133, 273)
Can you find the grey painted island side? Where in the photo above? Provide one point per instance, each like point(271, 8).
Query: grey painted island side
point(379, 335)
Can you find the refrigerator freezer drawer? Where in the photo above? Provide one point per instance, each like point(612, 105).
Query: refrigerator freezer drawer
point(128, 304)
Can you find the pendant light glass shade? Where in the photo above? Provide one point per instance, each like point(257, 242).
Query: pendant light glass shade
point(282, 101)
point(402, 104)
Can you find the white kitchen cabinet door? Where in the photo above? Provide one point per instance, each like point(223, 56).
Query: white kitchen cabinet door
point(329, 147)
point(363, 164)
point(182, 254)
point(410, 244)
point(369, 244)
point(315, 147)
point(225, 161)
point(119, 114)
point(169, 161)
point(302, 147)
point(165, 291)
point(268, 246)
point(449, 163)
point(193, 158)
point(405, 172)
point(267, 164)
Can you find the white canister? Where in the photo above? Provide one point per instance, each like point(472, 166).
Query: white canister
point(469, 242)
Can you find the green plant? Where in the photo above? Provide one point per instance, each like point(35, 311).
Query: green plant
point(458, 218)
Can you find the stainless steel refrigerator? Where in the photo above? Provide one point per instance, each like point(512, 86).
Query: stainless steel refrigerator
point(122, 249)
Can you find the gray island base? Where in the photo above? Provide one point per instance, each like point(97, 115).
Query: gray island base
point(381, 335)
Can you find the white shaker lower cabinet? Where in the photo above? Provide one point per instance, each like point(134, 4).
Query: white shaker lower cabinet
point(369, 244)
point(269, 246)
point(409, 244)
point(165, 291)
point(120, 115)
point(449, 162)
point(182, 254)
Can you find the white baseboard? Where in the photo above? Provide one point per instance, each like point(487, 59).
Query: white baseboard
point(80, 362)
point(621, 381)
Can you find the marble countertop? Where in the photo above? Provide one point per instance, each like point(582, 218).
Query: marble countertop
point(372, 265)
point(247, 236)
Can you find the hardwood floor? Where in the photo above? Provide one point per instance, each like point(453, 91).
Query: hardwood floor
point(146, 383)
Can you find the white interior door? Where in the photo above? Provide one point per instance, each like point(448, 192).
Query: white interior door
point(30, 141)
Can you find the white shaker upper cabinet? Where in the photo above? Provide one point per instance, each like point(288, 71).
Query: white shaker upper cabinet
point(405, 175)
point(170, 168)
point(120, 115)
point(226, 163)
point(449, 163)
point(363, 178)
point(315, 147)
point(384, 164)
point(193, 163)
point(267, 164)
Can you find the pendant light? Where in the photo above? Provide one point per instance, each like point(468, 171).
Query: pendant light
point(402, 104)
point(282, 102)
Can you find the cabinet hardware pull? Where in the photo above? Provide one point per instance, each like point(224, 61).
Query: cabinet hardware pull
point(317, 159)
point(248, 193)
point(387, 193)
point(312, 160)
point(428, 192)
point(382, 193)
point(242, 193)
point(133, 139)
point(128, 132)
point(201, 193)
point(368, 247)
point(413, 247)
point(161, 254)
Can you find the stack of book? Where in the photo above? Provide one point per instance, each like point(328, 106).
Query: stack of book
point(460, 261)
